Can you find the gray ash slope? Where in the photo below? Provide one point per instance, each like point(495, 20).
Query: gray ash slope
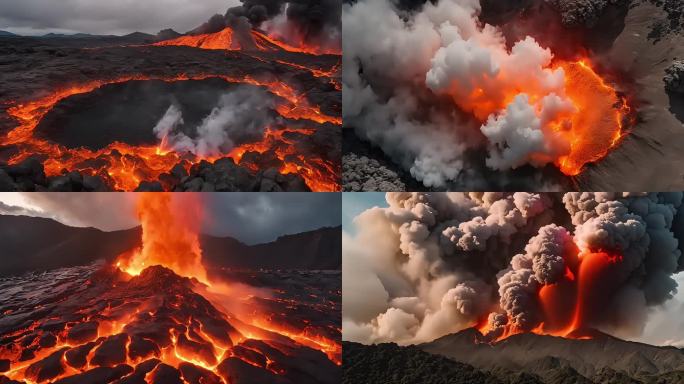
point(637, 41)
point(523, 358)
point(36, 244)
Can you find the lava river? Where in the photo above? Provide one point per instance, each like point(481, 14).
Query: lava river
point(156, 315)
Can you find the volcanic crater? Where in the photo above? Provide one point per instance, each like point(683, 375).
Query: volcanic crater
point(81, 115)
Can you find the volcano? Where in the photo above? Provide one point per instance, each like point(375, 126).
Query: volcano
point(207, 112)
point(525, 358)
point(152, 308)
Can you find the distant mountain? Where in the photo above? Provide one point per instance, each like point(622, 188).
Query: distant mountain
point(30, 243)
point(520, 359)
point(74, 35)
point(168, 34)
point(7, 34)
point(318, 249)
point(601, 359)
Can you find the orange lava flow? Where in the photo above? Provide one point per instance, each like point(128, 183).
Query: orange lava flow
point(219, 40)
point(570, 306)
point(123, 165)
point(225, 40)
point(169, 239)
point(301, 47)
point(597, 127)
point(308, 337)
point(319, 174)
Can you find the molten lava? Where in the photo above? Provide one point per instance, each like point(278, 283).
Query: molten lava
point(125, 166)
point(168, 238)
point(226, 40)
point(318, 173)
point(145, 322)
point(219, 40)
point(571, 306)
point(597, 126)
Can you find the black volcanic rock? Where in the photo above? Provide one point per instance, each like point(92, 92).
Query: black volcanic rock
point(674, 77)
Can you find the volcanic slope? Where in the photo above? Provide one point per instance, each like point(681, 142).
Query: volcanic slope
point(46, 83)
point(598, 359)
point(100, 325)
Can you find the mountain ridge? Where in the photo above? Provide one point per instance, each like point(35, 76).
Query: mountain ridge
point(53, 245)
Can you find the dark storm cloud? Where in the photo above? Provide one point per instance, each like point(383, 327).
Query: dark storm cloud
point(249, 217)
point(106, 17)
point(256, 218)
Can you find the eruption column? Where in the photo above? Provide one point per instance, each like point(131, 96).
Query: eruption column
point(169, 238)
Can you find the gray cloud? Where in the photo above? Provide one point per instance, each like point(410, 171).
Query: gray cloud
point(106, 17)
point(249, 217)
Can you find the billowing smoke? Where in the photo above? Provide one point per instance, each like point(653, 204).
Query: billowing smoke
point(297, 22)
point(433, 84)
point(241, 115)
point(435, 263)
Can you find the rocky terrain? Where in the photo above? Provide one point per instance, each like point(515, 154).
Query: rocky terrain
point(33, 68)
point(95, 324)
point(466, 357)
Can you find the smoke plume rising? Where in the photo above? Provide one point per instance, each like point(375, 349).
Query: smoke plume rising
point(240, 115)
point(435, 263)
point(435, 84)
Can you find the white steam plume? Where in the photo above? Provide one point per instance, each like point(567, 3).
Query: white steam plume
point(241, 114)
point(395, 85)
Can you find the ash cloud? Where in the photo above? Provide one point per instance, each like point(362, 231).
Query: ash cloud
point(315, 22)
point(435, 263)
point(433, 86)
point(240, 115)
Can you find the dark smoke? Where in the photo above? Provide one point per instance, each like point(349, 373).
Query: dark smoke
point(435, 263)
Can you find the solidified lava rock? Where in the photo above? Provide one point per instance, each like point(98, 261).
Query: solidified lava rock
point(154, 314)
point(29, 176)
point(581, 12)
point(674, 77)
point(361, 174)
point(98, 375)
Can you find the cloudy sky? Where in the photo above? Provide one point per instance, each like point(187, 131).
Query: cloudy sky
point(120, 17)
point(250, 217)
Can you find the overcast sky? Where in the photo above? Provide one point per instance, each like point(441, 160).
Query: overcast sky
point(250, 217)
point(103, 17)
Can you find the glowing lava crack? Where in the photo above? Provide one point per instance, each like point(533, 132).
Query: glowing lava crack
point(149, 324)
point(125, 166)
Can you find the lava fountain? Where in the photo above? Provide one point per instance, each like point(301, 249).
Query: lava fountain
point(571, 306)
point(169, 238)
